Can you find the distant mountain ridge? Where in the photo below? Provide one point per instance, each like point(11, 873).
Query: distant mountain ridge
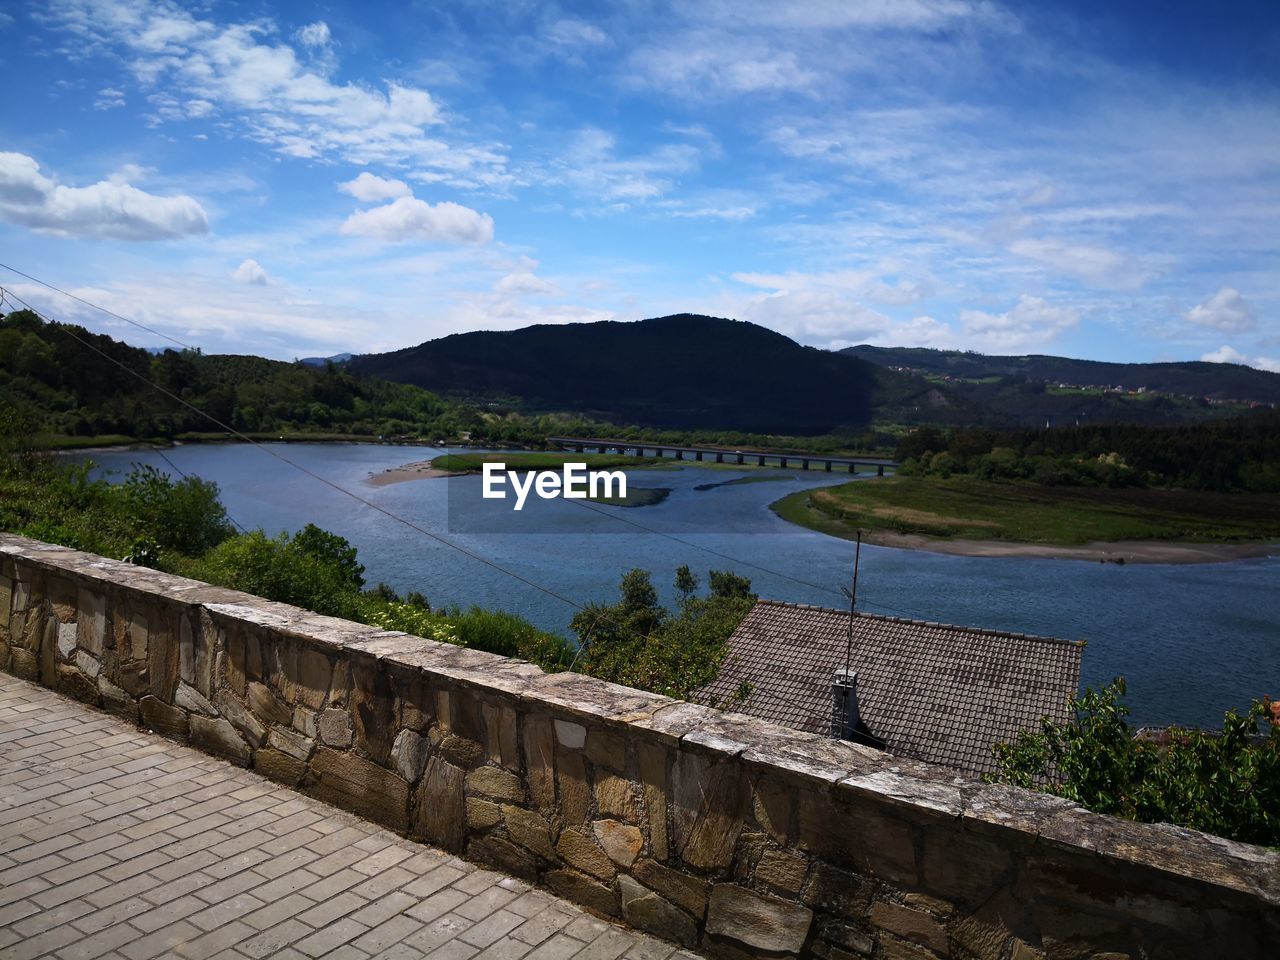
point(684, 371)
point(1191, 378)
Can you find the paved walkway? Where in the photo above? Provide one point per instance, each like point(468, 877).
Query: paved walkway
point(116, 843)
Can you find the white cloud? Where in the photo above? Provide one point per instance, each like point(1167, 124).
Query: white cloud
point(250, 272)
point(573, 36)
point(1227, 354)
point(109, 98)
point(369, 188)
point(1031, 323)
point(314, 35)
point(242, 70)
point(109, 208)
point(524, 282)
point(1096, 266)
point(1226, 310)
point(409, 218)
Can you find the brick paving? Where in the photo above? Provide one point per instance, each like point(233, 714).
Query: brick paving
point(118, 844)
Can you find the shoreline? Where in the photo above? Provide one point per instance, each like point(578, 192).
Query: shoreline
point(1117, 551)
point(418, 470)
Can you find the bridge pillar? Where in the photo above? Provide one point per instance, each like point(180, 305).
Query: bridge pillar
point(741, 459)
point(880, 470)
point(658, 453)
point(784, 462)
point(828, 466)
point(804, 464)
point(679, 454)
point(762, 461)
point(577, 448)
point(719, 458)
point(853, 468)
point(698, 456)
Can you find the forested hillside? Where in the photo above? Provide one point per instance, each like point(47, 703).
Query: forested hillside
point(1034, 389)
point(682, 372)
point(67, 388)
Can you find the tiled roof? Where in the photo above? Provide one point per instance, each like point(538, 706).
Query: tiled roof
point(938, 693)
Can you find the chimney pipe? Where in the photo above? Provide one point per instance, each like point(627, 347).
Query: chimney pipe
point(844, 705)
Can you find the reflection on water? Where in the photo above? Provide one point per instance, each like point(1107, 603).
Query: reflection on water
point(1192, 640)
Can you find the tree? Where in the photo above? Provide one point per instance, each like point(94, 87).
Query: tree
point(1225, 783)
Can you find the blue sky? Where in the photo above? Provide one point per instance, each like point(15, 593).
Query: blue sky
point(1095, 180)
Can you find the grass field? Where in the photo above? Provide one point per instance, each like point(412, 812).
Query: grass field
point(970, 509)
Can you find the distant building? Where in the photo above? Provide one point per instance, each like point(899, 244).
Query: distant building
point(938, 693)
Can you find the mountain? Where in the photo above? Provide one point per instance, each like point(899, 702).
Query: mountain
point(679, 372)
point(321, 361)
point(1033, 389)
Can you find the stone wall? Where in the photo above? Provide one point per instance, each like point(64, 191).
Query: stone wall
point(714, 830)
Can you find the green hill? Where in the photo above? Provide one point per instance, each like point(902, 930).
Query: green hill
point(1032, 389)
point(678, 372)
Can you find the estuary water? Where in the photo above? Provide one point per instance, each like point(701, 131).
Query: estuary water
point(1191, 640)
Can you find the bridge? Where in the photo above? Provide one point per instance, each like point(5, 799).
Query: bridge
point(761, 458)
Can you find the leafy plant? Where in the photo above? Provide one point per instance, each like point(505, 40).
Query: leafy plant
point(1226, 783)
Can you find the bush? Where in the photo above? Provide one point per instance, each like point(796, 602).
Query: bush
point(186, 516)
point(1224, 783)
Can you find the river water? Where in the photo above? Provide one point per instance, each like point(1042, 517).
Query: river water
point(1191, 640)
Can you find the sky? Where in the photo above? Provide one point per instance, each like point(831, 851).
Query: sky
point(1091, 179)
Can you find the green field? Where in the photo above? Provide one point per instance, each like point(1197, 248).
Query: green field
point(966, 508)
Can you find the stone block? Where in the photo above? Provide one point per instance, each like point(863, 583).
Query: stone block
point(579, 849)
point(133, 678)
point(708, 798)
point(139, 635)
point(163, 718)
point(621, 841)
point(530, 830)
point(645, 910)
point(838, 892)
point(441, 812)
point(891, 948)
point(266, 706)
point(608, 750)
point(25, 664)
point(496, 783)
point(186, 650)
point(91, 620)
point(909, 924)
point(62, 598)
point(292, 743)
point(504, 855)
point(782, 870)
point(48, 649)
point(87, 664)
point(757, 922)
point(218, 736)
point(773, 802)
point(615, 797)
point(335, 727)
point(305, 676)
point(653, 778)
point(482, 814)
point(191, 700)
point(539, 761)
point(6, 600)
point(688, 891)
point(280, 767)
point(845, 939)
point(584, 891)
point(570, 735)
point(575, 793)
point(356, 784)
point(409, 754)
point(500, 736)
point(67, 639)
point(249, 726)
point(340, 684)
point(461, 752)
point(304, 721)
point(117, 701)
point(857, 837)
point(76, 685)
point(162, 658)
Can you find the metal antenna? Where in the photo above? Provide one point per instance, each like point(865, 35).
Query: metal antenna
point(852, 594)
